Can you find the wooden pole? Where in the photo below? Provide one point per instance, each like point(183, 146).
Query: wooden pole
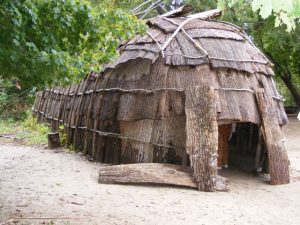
point(64, 105)
point(98, 142)
point(278, 158)
point(202, 136)
point(50, 109)
point(41, 102)
point(36, 102)
point(72, 111)
point(179, 11)
point(78, 110)
point(54, 126)
point(59, 109)
point(49, 96)
point(88, 120)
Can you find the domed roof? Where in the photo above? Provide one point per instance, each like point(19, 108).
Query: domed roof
point(190, 41)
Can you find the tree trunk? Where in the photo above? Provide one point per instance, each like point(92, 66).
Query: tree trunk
point(294, 92)
point(286, 76)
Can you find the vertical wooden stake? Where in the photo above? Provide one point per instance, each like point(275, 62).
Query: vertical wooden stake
point(79, 108)
point(202, 136)
point(88, 122)
point(48, 99)
point(64, 105)
point(36, 102)
point(72, 111)
point(278, 158)
point(41, 102)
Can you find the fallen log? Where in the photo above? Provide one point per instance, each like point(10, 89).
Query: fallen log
point(153, 173)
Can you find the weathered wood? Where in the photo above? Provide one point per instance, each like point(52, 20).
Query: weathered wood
point(224, 131)
point(150, 173)
point(181, 11)
point(79, 108)
point(70, 116)
point(203, 15)
point(48, 99)
point(202, 136)
point(207, 14)
point(89, 122)
point(53, 140)
point(64, 108)
point(277, 156)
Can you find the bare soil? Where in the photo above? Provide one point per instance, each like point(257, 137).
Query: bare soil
point(40, 186)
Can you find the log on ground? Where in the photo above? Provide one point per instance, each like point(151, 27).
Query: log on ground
point(152, 173)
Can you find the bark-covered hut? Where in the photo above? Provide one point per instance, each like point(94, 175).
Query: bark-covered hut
point(172, 97)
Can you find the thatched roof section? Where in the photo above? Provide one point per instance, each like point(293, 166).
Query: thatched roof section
point(216, 43)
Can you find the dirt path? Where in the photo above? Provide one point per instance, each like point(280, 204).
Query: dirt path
point(61, 188)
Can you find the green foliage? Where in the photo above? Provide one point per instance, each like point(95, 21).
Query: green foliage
point(284, 91)
point(62, 135)
point(7, 126)
point(29, 131)
point(31, 124)
point(58, 41)
point(285, 12)
point(14, 102)
point(33, 132)
point(202, 5)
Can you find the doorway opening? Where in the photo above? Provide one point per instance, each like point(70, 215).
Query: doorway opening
point(241, 146)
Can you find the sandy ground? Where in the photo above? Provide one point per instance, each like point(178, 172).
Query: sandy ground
point(39, 186)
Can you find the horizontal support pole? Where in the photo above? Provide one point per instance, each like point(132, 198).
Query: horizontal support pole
point(143, 91)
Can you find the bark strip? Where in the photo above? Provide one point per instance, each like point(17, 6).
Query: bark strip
point(202, 136)
point(149, 173)
point(278, 158)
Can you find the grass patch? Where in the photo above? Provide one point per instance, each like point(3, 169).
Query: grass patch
point(7, 126)
point(28, 131)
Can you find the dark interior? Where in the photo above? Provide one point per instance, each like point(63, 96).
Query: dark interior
point(246, 148)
